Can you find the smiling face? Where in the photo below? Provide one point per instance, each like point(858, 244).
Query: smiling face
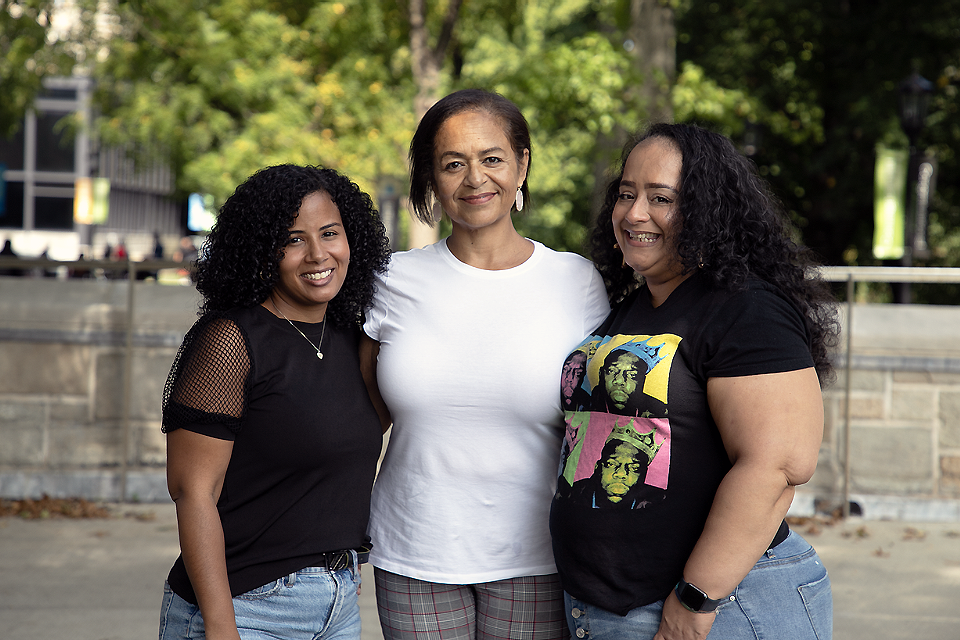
point(315, 260)
point(645, 213)
point(476, 171)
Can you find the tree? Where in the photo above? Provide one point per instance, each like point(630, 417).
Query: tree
point(820, 81)
point(232, 85)
point(31, 49)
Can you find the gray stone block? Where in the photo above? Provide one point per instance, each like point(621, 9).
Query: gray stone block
point(85, 445)
point(44, 368)
point(22, 446)
point(891, 459)
point(950, 419)
point(912, 404)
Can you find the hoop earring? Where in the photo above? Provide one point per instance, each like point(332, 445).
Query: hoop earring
point(519, 199)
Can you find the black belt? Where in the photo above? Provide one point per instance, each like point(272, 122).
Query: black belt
point(343, 559)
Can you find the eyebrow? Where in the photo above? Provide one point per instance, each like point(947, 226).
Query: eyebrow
point(326, 226)
point(650, 185)
point(463, 155)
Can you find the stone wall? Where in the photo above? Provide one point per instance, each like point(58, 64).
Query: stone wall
point(62, 419)
point(904, 396)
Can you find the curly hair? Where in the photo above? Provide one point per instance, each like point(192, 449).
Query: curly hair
point(239, 263)
point(422, 145)
point(730, 227)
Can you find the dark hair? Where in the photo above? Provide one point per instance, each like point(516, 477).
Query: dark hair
point(731, 227)
point(239, 262)
point(422, 146)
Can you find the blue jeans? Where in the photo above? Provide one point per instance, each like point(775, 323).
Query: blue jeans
point(311, 604)
point(785, 595)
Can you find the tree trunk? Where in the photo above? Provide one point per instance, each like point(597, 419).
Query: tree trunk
point(654, 35)
point(426, 63)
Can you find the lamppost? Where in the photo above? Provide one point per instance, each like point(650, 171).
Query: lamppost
point(915, 93)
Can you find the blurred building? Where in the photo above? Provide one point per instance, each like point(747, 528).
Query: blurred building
point(42, 163)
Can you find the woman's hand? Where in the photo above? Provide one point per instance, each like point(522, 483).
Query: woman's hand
point(679, 623)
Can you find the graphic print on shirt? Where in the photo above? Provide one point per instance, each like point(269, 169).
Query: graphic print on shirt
point(616, 451)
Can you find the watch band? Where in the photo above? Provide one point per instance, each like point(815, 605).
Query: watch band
point(696, 600)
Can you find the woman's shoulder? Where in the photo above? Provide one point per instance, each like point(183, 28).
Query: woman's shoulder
point(413, 260)
point(567, 259)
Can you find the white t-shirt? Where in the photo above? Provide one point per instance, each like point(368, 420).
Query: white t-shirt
point(469, 366)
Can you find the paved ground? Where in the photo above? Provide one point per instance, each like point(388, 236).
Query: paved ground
point(100, 579)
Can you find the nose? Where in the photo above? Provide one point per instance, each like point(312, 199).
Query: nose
point(638, 211)
point(316, 252)
point(475, 175)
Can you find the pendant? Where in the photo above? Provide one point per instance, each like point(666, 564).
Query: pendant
point(319, 355)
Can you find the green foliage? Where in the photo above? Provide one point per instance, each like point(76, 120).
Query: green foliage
point(229, 86)
point(821, 79)
point(232, 86)
point(30, 50)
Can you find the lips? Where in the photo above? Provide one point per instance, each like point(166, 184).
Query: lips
point(480, 198)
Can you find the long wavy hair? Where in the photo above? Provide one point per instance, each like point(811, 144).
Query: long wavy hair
point(730, 227)
point(239, 263)
point(422, 145)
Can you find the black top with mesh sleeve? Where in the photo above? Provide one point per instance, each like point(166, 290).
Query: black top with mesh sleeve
point(306, 440)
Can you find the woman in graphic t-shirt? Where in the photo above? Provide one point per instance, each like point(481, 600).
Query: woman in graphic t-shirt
point(705, 411)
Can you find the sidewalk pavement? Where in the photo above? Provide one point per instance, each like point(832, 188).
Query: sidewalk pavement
point(101, 579)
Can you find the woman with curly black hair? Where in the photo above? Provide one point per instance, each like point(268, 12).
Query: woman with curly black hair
point(272, 438)
point(728, 331)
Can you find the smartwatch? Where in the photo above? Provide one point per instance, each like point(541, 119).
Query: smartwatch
point(696, 600)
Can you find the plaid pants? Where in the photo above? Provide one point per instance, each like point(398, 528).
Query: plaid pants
point(526, 608)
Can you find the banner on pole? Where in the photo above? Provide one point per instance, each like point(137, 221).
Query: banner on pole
point(889, 203)
point(83, 201)
point(91, 200)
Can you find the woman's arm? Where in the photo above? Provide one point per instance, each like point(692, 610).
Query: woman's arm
point(369, 350)
point(196, 466)
point(771, 426)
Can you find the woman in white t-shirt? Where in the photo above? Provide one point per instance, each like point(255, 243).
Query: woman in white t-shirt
point(467, 341)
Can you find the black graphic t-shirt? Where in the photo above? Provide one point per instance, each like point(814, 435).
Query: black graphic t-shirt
point(642, 457)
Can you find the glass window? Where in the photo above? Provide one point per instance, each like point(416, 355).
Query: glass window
point(58, 94)
point(12, 215)
point(55, 144)
point(11, 151)
point(53, 213)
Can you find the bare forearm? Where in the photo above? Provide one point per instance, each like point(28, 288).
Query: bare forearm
point(201, 542)
point(747, 510)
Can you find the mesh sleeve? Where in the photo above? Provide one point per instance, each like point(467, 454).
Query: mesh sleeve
point(208, 385)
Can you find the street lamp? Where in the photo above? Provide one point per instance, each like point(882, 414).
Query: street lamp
point(915, 92)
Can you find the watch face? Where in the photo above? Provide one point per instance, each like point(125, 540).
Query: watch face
point(692, 597)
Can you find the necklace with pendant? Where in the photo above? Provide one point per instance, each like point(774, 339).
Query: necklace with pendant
point(323, 328)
